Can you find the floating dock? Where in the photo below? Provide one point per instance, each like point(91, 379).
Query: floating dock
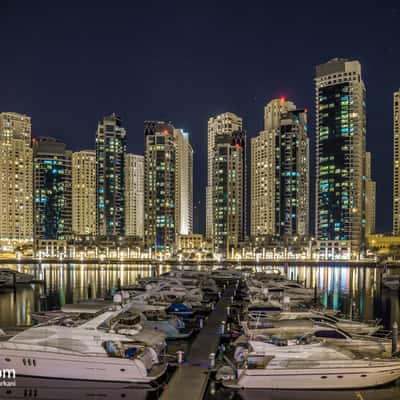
point(190, 380)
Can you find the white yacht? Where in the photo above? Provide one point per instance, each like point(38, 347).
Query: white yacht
point(109, 347)
point(350, 326)
point(368, 346)
point(310, 367)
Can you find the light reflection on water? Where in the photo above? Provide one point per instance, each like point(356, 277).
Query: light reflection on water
point(352, 290)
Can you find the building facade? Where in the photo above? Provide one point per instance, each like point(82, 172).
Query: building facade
point(52, 188)
point(159, 185)
point(222, 124)
point(110, 179)
point(396, 163)
point(168, 185)
point(229, 191)
point(134, 195)
point(191, 241)
point(184, 183)
point(84, 192)
point(370, 197)
point(340, 155)
point(16, 175)
point(15, 126)
point(280, 174)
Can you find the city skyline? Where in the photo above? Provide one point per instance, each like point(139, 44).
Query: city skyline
point(282, 119)
point(71, 85)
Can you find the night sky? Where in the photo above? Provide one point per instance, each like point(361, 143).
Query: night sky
point(67, 64)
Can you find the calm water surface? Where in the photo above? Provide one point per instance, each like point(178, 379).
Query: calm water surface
point(355, 290)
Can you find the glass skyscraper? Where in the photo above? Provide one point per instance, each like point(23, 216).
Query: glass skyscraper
point(340, 147)
point(110, 180)
point(292, 176)
point(52, 189)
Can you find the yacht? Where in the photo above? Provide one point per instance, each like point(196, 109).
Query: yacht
point(109, 347)
point(347, 325)
point(368, 346)
point(317, 367)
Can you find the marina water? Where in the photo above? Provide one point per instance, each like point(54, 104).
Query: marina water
point(355, 291)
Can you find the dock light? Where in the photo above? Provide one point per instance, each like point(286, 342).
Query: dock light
point(180, 355)
point(211, 361)
point(222, 327)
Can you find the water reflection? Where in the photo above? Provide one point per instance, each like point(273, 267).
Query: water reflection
point(65, 284)
point(391, 393)
point(355, 291)
point(58, 389)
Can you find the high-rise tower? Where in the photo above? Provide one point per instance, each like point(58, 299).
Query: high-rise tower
point(16, 206)
point(222, 124)
point(52, 189)
point(110, 180)
point(280, 173)
point(159, 185)
point(229, 191)
point(370, 197)
point(168, 184)
point(396, 163)
point(134, 195)
point(340, 158)
point(84, 192)
point(184, 183)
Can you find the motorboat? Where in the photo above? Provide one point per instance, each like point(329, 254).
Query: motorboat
point(112, 347)
point(367, 346)
point(7, 276)
point(347, 325)
point(289, 329)
point(172, 326)
point(316, 367)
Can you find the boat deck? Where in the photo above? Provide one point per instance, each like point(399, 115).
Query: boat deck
point(191, 378)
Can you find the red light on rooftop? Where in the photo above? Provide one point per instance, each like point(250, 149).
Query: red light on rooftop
point(282, 99)
point(165, 132)
point(306, 110)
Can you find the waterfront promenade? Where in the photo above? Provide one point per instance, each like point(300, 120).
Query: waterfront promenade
point(228, 262)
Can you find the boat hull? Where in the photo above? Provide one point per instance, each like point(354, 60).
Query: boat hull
point(59, 365)
point(318, 379)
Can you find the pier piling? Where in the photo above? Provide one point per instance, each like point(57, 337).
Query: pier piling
point(395, 337)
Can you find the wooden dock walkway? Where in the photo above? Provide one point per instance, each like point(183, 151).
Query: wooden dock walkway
point(191, 378)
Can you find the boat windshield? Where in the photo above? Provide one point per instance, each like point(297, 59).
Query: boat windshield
point(122, 349)
point(329, 334)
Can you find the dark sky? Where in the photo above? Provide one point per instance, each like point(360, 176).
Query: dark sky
point(67, 63)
